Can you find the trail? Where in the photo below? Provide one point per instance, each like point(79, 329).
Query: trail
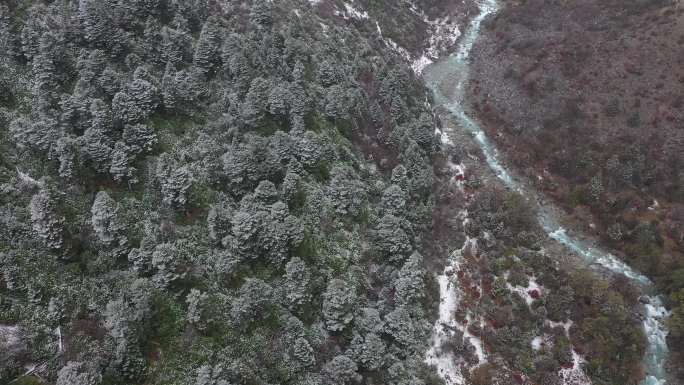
point(448, 79)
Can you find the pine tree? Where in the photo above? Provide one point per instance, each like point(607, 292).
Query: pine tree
point(339, 301)
point(46, 222)
point(206, 55)
point(105, 220)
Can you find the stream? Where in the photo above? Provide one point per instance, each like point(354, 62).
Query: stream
point(447, 79)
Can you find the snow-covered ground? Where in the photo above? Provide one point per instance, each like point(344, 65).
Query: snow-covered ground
point(444, 33)
point(574, 375)
point(527, 293)
point(450, 367)
point(565, 325)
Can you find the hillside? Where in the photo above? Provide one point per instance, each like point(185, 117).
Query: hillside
point(249, 192)
point(586, 98)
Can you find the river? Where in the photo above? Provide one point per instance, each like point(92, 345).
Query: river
point(447, 79)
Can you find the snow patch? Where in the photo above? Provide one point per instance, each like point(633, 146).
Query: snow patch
point(537, 343)
point(444, 137)
point(27, 179)
point(419, 64)
point(565, 325)
point(393, 45)
point(527, 293)
point(574, 375)
point(474, 340)
point(443, 32)
point(448, 366)
point(654, 205)
point(352, 13)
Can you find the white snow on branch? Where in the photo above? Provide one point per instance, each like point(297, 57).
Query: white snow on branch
point(26, 178)
point(352, 13)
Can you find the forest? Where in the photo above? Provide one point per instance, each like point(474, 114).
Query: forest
point(252, 192)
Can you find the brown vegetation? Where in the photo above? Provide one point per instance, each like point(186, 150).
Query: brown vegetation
point(586, 97)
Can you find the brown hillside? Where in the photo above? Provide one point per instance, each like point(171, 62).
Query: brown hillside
point(587, 97)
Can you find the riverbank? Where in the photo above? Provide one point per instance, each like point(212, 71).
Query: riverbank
point(590, 113)
point(448, 80)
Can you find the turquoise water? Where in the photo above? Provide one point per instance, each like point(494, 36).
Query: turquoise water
point(447, 80)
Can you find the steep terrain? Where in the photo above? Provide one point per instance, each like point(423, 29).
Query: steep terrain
point(585, 97)
point(201, 192)
point(228, 192)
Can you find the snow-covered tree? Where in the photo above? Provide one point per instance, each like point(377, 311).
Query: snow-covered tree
point(390, 237)
point(400, 326)
point(136, 102)
point(196, 301)
point(339, 301)
point(297, 281)
point(252, 301)
point(78, 373)
point(394, 200)
point(261, 13)
point(45, 220)
point(368, 350)
point(409, 285)
point(303, 352)
point(207, 48)
point(341, 370)
point(106, 221)
point(174, 181)
point(169, 261)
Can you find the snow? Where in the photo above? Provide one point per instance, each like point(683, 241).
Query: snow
point(351, 12)
point(569, 376)
point(449, 298)
point(26, 178)
point(457, 173)
point(444, 32)
point(393, 45)
point(525, 292)
point(474, 340)
point(58, 333)
point(537, 343)
point(443, 136)
point(574, 375)
point(419, 64)
point(450, 367)
point(565, 325)
point(324, 28)
point(654, 206)
point(10, 336)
